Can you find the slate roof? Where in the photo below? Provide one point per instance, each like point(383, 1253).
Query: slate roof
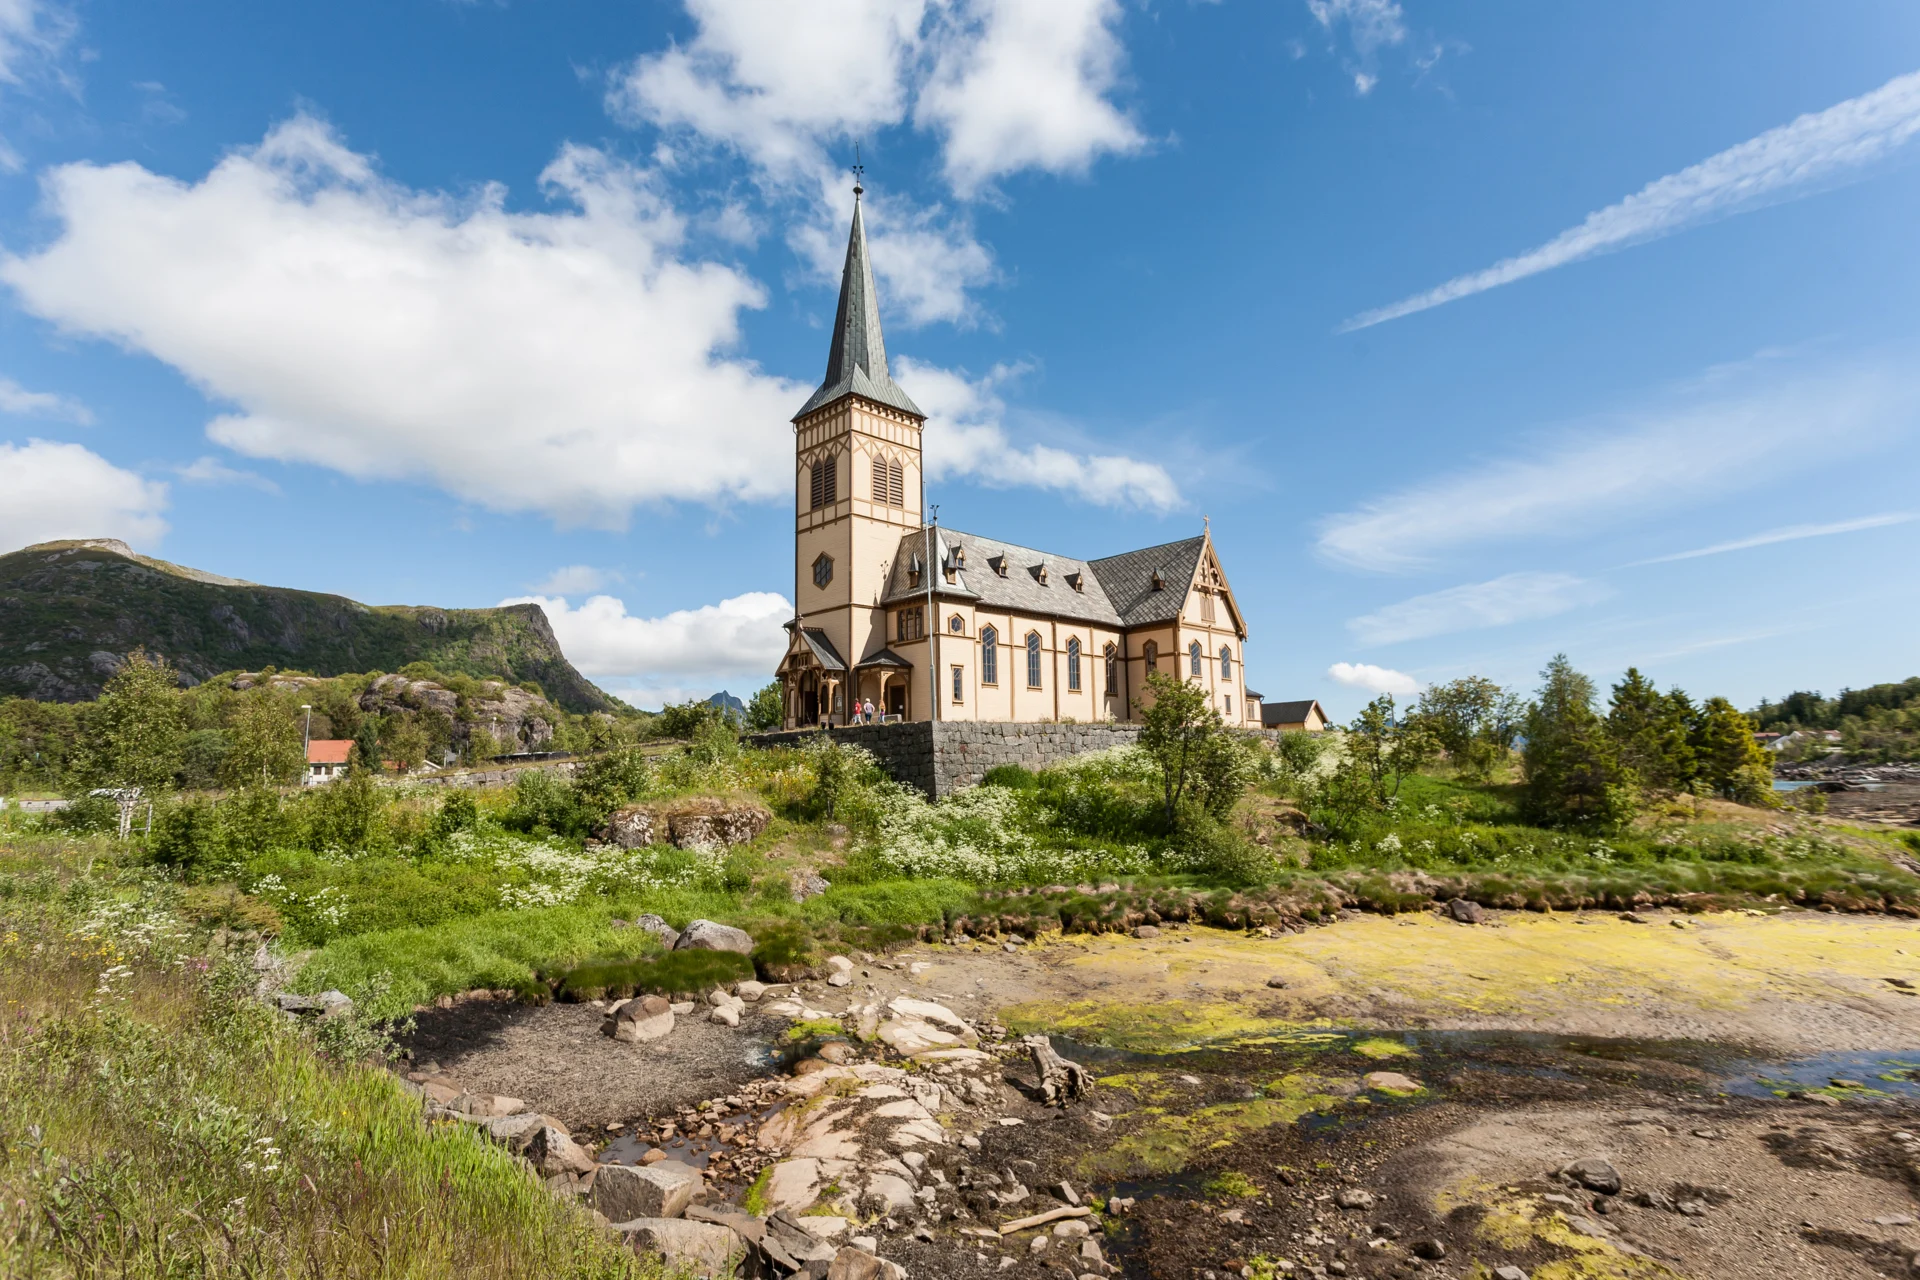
point(823, 651)
point(1278, 713)
point(1128, 579)
point(857, 361)
point(1116, 592)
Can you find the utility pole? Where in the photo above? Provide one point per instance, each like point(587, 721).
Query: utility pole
point(306, 743)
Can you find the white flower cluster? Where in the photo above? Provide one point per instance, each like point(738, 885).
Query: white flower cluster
point(550, 875)
point(977, 835)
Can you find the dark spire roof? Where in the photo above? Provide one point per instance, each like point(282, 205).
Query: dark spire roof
point(857, 364)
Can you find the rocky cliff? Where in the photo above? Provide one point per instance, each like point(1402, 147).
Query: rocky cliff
point(70, 611)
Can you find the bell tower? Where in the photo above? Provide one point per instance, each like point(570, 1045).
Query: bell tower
point(857, 490)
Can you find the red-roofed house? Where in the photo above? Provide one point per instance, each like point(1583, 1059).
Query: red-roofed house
point(327, 759)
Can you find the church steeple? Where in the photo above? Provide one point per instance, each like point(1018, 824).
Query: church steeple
point(857, 361)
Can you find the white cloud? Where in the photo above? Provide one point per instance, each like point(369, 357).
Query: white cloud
point(1739, 426)
point(927, 261)
point(687, 653)
point(1009, 84)
point(1809, 154)
point(1019, 85)
point(965, 437)
point(1370, 24)
point(572, 363)
point(575, 580)
point(50, 490)
point(16, 399)
point(1513, 597)
point(214, 471)
point(1364, 675)
point(1788, 533)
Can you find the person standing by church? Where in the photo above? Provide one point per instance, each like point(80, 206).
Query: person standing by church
point(866, 711)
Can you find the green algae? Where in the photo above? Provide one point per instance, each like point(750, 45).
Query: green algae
point(1378, 1048)
point(1231, 1185)
point(1166, 1143)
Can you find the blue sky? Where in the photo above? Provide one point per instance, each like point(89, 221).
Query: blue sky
point(1479, 333)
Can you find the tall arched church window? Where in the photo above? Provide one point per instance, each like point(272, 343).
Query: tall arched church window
point(989, 655)
point(1073, 664)
point(1150, 654)
point(826, 482)
point(1193, 659)
point(1226, 663)
point(1113, 661)
point(1033, 659)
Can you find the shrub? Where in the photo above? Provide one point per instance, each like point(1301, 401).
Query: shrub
point(675, 973)
point(90, 815)
point(1011, 776)
point(187, 837)
point(543, 804)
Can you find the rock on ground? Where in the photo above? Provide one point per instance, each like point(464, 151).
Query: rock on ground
point(709, 935)
point(639, 1020)
point(662, 1190)
point(701, 1247)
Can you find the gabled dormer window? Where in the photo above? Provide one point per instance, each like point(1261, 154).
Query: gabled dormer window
point(1040, 573)
point(1077, 580)
point(998, 564)
point(1159, 583)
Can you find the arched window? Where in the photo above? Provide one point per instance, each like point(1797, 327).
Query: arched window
point(1226, 662)
point(889, 488)
point(1073, 664)
point(1113, 661)
point(1150, 654)
point(1033, 659)
point(1193, 659)
point(989, 655)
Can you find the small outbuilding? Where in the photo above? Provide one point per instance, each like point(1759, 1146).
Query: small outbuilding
point(1301, 716)
point(327, 759)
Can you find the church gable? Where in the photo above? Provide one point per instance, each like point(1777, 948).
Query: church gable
point(1210, 601)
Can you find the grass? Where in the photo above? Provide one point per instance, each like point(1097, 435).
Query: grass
point(160, 1123)
point(675, 973)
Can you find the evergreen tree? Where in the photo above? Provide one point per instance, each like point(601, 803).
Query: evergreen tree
point(1574, 775)
point(1649, 732)
point(366, 746)
point(1727, 758)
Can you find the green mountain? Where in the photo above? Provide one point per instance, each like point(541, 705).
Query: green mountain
point(70, 610)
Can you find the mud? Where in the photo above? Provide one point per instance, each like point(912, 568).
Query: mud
point(1750, 1078)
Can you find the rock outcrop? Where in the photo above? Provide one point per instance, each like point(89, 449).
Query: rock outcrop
point(700, 823)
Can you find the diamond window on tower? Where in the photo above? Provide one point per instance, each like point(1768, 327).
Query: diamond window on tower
point(823, 570)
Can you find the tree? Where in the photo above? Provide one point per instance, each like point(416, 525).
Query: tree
point(263, 740)
point(1200, 762)
point(1473, 720)
point(136, 733)
point(768, 709)
point(1574, 776)
point(1727, 758)
point(1382, 748)
point(366, 746)
point(1649, 732)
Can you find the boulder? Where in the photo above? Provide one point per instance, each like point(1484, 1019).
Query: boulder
point(1595, 1173)
point(750, 991)
point(803, 883)
point(913, 1027)
point(708, 935)
point(328, 1004)
point(1466, 912)
point(1353, 1198)
point(659, 928)
point(712, 824)
point(703, 1248)
point(725, 1015)
point(853, 1263)
point(662, 1190)
point(553, 1152)
point(488, 1106)
point(1392, 1082)
point(633, 827)
point(887, 1193)
point(639, 1020)
point(515, 1132)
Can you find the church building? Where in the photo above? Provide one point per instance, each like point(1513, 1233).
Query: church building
point(927, 622)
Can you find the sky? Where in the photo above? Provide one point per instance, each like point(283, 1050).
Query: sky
point(1477, 333)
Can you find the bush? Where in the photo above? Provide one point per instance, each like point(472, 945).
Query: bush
point(608, 781)
point(543, 804)
point(90, 815)
point(187, 838)
point(1011, 776)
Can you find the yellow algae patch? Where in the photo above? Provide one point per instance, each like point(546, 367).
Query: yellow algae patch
point(1515, 1222)
point(1168, 1143)
point(1209, 985)
point(1142, 1027)
point(1379, 1047)
point(1144, 1085)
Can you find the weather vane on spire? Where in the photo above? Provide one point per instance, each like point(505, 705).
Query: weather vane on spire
point(859, 173)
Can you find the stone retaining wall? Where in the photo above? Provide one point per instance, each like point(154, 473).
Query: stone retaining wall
point(938, 759)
